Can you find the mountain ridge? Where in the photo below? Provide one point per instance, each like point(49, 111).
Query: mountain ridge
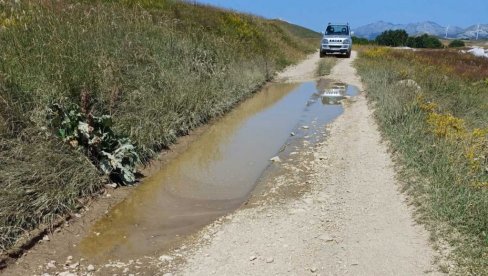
point(372, 30)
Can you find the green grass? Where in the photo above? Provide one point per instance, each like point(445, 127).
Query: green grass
point(160, 68)
point(445, 182)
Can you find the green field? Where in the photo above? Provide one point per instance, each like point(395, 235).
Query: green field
point(157, 68)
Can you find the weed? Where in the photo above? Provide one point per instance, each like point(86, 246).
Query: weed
point(113, 154)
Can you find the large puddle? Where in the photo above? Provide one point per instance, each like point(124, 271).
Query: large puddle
point(216, 173)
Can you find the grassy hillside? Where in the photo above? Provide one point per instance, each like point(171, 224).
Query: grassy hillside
point(297, 30)
point(440, 134)
point(158, 68)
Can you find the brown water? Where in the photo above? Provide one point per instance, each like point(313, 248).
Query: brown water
point(214, 176)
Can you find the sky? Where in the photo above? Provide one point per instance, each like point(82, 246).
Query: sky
point(315, 14)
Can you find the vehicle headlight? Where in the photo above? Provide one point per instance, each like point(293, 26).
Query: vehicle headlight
point(346, 41)
point(325, 41)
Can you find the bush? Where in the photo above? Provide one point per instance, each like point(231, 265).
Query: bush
point(424, 41)
point(456, 43)
point(393, 38)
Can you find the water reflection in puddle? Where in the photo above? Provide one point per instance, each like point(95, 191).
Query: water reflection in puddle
point(334, 92)
point(214, 175)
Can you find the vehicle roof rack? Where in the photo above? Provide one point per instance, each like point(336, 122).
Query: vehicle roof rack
point(330, 23)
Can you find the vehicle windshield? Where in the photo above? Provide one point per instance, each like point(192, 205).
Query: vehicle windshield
point(337, 30)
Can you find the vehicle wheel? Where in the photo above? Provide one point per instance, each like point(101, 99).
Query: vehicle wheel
point(322, 54)
point(348, 54)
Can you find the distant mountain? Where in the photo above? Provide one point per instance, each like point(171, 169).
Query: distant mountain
point(454, 31)
point(371, 31)
point(470, 32)
point(427, 27)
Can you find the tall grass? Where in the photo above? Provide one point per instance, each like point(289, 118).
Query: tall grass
point(160, 68)
point(440, 135)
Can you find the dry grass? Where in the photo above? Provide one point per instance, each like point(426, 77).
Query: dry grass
point(440, 134)
point(160, 68)
point(450, 62)
point(325, 66)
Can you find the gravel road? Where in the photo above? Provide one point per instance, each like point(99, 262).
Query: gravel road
point(352, 221)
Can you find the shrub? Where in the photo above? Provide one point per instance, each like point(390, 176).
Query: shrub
point(424, 41)
point(393, 38)
point(456, 43)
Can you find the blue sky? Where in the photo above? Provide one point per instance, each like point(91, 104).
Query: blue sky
point(315, 14)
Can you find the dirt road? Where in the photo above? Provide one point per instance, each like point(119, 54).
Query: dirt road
point(353, 220)
point(332, 208)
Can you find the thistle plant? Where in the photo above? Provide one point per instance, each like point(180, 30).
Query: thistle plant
point(114, 155)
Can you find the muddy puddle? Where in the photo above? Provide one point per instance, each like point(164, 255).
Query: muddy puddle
point(216, 173)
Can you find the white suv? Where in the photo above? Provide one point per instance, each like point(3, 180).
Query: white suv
point(336, 39)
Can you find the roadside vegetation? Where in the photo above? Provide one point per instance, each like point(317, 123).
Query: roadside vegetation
point(456, 43)
point(91, 89)
point(325, 66)
point(362, 41)
point(424, 41)
point(396, 38)
point(433, 108)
